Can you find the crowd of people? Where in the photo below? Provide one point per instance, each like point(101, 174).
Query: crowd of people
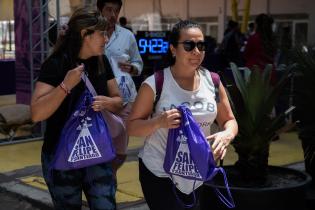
point(257, 47)
point(94, 44)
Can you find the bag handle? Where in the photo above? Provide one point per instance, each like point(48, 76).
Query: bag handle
point(228, 201)
point(180, 200)
point(108, 116)
point(88, 84)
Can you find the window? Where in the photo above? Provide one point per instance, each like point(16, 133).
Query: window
point(293, 32)
point(7, 45)
point(300, 32)
point(213, 31)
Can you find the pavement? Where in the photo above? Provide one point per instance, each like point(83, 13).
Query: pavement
point(21, 175)
point(22, 184)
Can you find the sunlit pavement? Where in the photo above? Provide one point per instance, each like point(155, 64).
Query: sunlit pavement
point(20, 170)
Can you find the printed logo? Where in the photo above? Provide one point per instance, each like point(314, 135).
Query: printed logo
point(124, 89)
point(183, 164)
point(181, 138)
point(85, 147)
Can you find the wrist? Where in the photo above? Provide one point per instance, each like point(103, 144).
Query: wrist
point(158, 121)
point(64, 87)
point(230, 135)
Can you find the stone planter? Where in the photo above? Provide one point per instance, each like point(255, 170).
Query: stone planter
point(285, 191)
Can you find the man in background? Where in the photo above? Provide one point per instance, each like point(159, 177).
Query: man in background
point(123, 23)
point(125, 59)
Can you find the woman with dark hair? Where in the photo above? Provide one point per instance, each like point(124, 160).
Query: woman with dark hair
point(185, 83)
point(56, 93)
point(261, 46)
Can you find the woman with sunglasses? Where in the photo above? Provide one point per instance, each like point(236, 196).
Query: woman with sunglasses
point(185, 82)
point(56, 94)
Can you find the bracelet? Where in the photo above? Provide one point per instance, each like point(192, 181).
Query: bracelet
point(64, 88)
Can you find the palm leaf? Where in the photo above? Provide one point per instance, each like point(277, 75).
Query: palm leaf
point(256, 127)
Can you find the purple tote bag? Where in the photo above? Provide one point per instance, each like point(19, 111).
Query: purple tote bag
point(189, 156)
point(85, 139)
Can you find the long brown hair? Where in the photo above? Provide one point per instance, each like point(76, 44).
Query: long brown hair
point(70, 42)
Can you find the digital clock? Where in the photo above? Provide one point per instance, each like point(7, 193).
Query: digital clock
point(152, 45)
point(153, 42)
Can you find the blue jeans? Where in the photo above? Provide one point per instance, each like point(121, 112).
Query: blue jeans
point(65, 187)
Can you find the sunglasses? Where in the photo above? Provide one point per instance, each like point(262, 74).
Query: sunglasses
point(190, 45)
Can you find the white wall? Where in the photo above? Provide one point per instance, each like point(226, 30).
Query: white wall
point(213, 8)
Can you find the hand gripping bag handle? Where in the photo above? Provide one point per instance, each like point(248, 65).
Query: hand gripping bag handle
point(115, 123)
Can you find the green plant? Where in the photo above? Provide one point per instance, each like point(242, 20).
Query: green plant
point(304, 100)
point(252, 99)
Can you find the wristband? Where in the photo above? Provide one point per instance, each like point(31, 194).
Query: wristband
point(64, 88)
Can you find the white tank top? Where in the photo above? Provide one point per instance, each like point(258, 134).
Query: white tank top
point(202, 104)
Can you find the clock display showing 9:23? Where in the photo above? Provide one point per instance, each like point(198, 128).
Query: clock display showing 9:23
point(152, 45)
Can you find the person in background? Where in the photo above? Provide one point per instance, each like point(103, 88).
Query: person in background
point(261, 47)
point(251, 30)
point(122, 50)
point(123, 23)
point(230, 48)
point(185, 82)
point(56, 94)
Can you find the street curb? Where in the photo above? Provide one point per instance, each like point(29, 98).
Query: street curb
point(36, 197)
point(42, 200)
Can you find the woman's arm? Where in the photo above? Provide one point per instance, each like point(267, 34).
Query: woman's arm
point(47, 98)
point(139, 123)
point(227, 123)
point(45, 101)
point(113, 102)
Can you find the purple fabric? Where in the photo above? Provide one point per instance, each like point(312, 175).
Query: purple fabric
point(124, 89)
point(115, 124)
point(118, 132)
point(197, 163)
point(22, 47)
point(85, 139)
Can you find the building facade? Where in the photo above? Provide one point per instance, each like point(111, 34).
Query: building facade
point(298, 17)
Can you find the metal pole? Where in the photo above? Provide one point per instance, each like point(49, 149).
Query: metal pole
point(268, 7)
point(224, 13)
point(221, 20)
point(187, 9)
point(41, 28)
point(234, 7)
point(30, 21)
point(245, 16)
point(58, 16)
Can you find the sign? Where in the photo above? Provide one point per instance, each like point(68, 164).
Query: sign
point(153, 42)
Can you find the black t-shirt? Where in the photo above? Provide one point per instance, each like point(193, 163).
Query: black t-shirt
point(53, 72)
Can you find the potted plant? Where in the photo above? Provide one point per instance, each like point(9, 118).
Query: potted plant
point(304, 100)
point(253, 183)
